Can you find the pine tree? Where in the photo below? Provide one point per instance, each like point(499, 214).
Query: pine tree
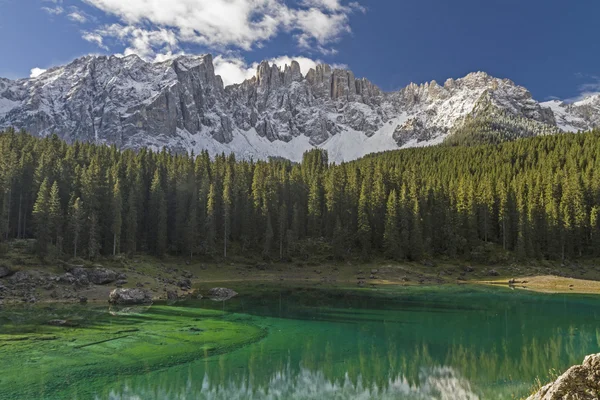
point(41, 217)
point(75, 223)
point(391, 236)
point(364, 227)
point(339, 240)
point(283, 228)
point(55, 216)
point(117, 222)
point(93, 240)
point(416, 233)
point(227, 204)
point(595, 230)
point(314, 207)
point(131, 218)
point(211, 221)
point(268, 238)
point(158, 212)
point(191, 225)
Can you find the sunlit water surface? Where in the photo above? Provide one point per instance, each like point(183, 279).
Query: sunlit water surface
point(396, 343)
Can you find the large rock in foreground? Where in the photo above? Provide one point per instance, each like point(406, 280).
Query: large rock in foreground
point(581, 382)
point(221, 294)
point(130, 296)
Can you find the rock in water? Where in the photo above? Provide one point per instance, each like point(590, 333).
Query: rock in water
point(130, 296)
point(581, 382)
point(221, 294)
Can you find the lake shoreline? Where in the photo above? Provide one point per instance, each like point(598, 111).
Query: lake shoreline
point(25, 278)
point(49, 285)
point(547, 284)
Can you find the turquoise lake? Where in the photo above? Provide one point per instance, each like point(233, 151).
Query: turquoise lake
point(449, 342)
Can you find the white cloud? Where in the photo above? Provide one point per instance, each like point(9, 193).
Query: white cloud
point(95, 38)
point(77, 16)
point(236, 70)
point(148, 44)
point(590, 88)
point(221, 24)
point(57, 10)
point(233, 70)
point(35, 72)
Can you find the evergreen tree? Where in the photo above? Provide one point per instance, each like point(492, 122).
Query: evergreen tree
point(211, 221)
point(41, 216)
point(131, 218)
point(364, 227)
point(534, 198)
point(75, 222)
point(55, 217)
point(595, 230)
point(283, 228)
point(158, 212)
point(268, 238)
point(314, 207)
point(227, 204)
point(391, 236)
point(117, 222)
point(93, 239)
point(416, 233)
point(339, 240)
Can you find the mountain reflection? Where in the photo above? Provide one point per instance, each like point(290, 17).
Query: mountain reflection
point(442, 383)
point(381, 368)
point(450, 343)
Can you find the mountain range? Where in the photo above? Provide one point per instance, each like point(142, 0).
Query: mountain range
point(181, 104)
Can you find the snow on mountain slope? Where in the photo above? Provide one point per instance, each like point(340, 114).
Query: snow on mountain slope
point(182, 105)
point(578, 116)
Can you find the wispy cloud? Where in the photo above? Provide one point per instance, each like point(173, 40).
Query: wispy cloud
point(56, 10)
point(77, 16)
point(95, 38)
point(590, 88)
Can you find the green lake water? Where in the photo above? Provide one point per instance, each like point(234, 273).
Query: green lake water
point(450, 342)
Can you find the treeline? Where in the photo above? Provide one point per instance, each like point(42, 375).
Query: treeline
point(536, 197)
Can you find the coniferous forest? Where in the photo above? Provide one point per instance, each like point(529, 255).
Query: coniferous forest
point(535, 198)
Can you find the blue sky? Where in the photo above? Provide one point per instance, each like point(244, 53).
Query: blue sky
point(551, 47)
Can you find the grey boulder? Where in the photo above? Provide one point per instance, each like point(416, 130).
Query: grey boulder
point(221, 294)
point(581, 382)
point(5, 271)
point(130, 296)
point(102, 276)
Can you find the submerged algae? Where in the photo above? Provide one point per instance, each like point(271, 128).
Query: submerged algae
point(101, 344)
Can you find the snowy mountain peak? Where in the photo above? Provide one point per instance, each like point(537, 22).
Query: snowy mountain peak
point(182, 104)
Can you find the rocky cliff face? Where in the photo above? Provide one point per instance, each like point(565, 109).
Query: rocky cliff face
point(581, 382)
point(181, 104)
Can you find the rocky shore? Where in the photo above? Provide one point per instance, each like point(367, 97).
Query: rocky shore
point(581, 382)
point(83, 283)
